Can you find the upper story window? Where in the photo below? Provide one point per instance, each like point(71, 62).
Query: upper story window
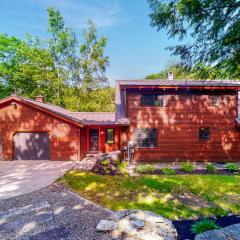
point(146, 137)
point(204, 133)
point(109, 135)
point(214, 100)
point(152, 100)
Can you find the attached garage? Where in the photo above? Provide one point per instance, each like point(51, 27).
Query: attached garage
point(31, 146)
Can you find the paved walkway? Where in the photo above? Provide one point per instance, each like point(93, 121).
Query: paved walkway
point(21, 177)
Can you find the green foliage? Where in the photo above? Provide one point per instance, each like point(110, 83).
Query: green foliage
point(232, 167)
point(187, 167)
point(179, 72)
point(213, 26)
point(122, 166)
point(168, 171)
point(145, 168)
point(160, 193)
point(203, 226)
point(64, 70)
point(104, 162)
point(211, 168)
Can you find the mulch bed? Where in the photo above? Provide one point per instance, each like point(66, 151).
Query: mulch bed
point(184, 226)
point(198, 172)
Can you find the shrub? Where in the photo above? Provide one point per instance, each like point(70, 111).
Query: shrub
point(104, 162)
point(122, 166)
point(231, 167)
point(187, 167)
point(145, 168)
point(203, 226)
point(168, 171)
point(211, 168)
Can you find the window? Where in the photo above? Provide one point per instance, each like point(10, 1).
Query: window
point(146, 137)
point(109, 135)
point(152, 100)
point(214, 100)
point(204, 133)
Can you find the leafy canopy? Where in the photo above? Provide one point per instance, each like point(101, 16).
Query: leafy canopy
point(213, 26)
point(65, 70)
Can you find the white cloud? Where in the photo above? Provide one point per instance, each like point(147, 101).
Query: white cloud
point(77, 12)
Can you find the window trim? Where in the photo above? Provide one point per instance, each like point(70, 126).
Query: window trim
point(200, 136)
point(148, 147)
point(155, 96)
point(106, 138)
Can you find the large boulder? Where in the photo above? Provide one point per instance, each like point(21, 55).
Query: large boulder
point(231, 232)
point(142, 225)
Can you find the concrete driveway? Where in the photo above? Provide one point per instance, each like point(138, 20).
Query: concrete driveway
point(21, 177)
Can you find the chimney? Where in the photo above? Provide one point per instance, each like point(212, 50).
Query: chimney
point(170, 76)
point(40, 98)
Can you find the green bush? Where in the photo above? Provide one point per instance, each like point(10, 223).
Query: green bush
point(104, 162)
point(231, 167)
point(187, 167)
point(122, 166)
point(168, 171)
point(211, 168)
point(203, 226)
point(145, 168)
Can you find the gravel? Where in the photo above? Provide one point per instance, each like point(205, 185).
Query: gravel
point(76, 217)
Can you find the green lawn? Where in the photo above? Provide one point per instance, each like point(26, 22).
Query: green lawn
point(180, 196)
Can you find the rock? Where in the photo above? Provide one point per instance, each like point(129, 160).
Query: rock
point(143, 225)
point(231, 232)
point(117, 216)
point(138, 224)
point(106, 225)
point(126, 226)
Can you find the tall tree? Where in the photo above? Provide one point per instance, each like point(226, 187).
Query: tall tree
point(93, 62)
point(213, 25)
point(63, 48)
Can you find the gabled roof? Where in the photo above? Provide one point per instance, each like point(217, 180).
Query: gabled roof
point(78, 118)
point(53, 110)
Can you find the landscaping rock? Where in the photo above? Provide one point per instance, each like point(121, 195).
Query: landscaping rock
point(138, 224)
point(231, 232)
point(117, 216)
point(106, 225)
point(143, 225)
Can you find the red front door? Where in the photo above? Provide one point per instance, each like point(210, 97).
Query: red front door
point(93, 140)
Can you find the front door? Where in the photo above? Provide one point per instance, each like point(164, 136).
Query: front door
point(93, 140)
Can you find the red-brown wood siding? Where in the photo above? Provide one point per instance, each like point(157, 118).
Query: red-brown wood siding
point(178, 126)
point(103, 146)
point(64, 136)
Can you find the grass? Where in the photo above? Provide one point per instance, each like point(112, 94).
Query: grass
point(207, 195)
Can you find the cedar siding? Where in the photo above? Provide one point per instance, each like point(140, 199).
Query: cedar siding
point(178, 123)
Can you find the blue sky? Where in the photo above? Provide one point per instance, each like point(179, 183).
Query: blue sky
point(134, 47)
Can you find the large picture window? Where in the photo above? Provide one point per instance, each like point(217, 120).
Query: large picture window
point(146, 137)
point(152, 100)
point(109, 135)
